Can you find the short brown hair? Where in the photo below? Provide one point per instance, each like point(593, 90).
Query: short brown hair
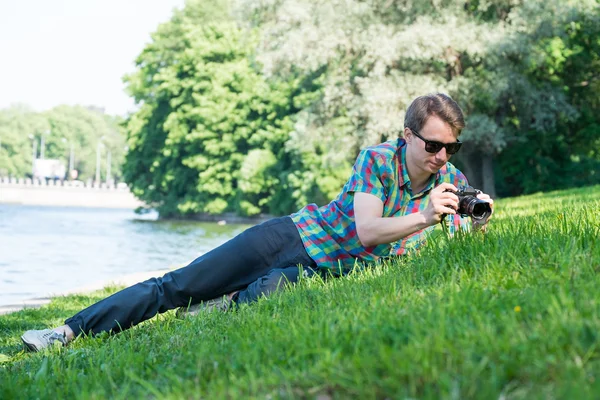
point(438, 104)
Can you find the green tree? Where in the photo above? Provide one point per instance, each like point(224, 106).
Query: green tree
point(565, 55)
point(209, 136)
point(22, 130)
point(86, 130)
point(375, 57)
point(19, 126)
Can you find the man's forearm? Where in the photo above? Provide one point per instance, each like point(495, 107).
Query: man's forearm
point(385, 230)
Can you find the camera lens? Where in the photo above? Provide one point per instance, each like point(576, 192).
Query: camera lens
point(479, 210)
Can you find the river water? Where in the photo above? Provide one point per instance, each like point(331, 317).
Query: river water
point(51, 250)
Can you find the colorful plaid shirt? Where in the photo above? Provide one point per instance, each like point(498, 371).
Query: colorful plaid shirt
point(329, 232)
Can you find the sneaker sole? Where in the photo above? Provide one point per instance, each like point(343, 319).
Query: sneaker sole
point(30, 346)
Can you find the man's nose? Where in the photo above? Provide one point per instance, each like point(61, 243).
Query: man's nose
point(442, 155)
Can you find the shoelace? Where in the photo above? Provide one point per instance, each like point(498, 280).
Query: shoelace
point(53, 336)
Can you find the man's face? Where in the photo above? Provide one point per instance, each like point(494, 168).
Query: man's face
point(422, 161)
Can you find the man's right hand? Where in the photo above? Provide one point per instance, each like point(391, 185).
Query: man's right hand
point(442, 200)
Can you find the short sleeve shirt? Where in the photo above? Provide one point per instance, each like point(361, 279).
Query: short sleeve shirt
point(329, 232)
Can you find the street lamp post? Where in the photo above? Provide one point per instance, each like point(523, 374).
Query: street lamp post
point(71, 160)
point(98, 149)
point(108, 168)
point(42, 144)
point(98, 163)
point(71, 157)
point(33, 155)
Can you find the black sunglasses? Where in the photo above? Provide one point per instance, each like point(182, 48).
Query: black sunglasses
point(431, 146)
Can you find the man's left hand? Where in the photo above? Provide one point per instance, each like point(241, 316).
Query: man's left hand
point(482, 227)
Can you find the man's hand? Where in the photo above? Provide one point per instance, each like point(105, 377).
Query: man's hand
point(476, 225)
point(442, 200)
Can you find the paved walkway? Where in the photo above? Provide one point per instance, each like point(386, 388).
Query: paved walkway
point(126, 280)
point(67, 196)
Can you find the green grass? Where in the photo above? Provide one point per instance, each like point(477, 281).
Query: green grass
point(514, 313)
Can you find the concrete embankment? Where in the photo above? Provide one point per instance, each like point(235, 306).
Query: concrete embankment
point(65, 194)
point(126, 280)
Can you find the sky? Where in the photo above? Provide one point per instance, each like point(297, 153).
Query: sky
point(73, 52)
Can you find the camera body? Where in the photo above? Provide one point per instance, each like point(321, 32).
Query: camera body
point(470, 206)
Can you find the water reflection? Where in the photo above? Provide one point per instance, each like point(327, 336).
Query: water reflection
point(46, 250)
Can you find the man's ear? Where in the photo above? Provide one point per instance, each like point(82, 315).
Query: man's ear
point(408, 135)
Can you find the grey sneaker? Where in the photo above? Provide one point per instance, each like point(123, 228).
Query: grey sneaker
point(39, 340)
point(219, 304)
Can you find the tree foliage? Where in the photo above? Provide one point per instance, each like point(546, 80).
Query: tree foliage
point(501, 60)
point(262, 106)
point(209, 136)
point(21, 131)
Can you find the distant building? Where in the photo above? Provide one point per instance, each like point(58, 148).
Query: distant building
point(98, 109)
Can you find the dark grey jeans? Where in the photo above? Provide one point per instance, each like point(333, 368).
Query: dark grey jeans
point(276, 279)
point(256, 262)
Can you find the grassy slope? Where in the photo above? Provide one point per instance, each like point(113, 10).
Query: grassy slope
point(514, 313)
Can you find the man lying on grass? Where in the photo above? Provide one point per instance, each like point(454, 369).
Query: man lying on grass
point(397, 193)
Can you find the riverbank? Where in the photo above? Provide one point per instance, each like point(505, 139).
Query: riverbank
point(79, 194)
point(66, 194)
point(125, 280)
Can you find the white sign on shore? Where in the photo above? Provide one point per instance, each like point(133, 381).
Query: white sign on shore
point(49, 169)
